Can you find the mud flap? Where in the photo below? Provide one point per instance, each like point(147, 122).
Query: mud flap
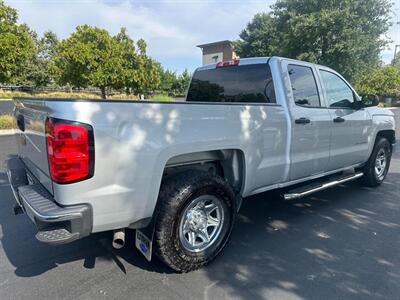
point(144, 240)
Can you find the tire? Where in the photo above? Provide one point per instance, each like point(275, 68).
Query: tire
point(180, 214)
point(372, 177)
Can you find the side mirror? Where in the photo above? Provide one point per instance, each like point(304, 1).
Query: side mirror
point(370, 100)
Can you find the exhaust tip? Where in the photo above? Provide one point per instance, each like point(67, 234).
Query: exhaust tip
point(118, 239)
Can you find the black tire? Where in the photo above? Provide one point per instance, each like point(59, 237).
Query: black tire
point(176, 194)
point(371, 178)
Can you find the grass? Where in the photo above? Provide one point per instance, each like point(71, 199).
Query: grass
point(86, 95)
point(7, 122)
point(9, 95)
point(80, 95)
point(161, 97)
point(123, 97)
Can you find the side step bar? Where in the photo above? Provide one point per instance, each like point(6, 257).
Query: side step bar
point(316, 187)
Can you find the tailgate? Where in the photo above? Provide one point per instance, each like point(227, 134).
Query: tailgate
point(31, 116)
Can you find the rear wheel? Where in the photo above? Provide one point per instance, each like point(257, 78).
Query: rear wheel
point(377, 167)
point(195, 218)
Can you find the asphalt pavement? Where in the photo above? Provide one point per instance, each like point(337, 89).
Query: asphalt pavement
point(6, 107)
point(341, 243)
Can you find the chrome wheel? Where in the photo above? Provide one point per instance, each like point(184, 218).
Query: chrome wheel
point(380, 164)
point(201, 223)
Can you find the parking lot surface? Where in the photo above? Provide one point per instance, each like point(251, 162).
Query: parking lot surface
point(341, 243)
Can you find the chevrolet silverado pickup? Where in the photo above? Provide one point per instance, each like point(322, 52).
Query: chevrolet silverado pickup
point(177, 172)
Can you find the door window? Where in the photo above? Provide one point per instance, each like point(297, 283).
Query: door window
point(338, 93)
point(304, 86)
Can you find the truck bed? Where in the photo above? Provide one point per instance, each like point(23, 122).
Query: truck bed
point(135, 140)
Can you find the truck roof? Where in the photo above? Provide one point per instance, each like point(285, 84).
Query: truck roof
point(260, 60)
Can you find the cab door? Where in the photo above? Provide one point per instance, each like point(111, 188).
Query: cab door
point(350, 124)
point(311, 122)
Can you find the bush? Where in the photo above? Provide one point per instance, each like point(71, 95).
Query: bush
point(380, 81)
point(7, 122)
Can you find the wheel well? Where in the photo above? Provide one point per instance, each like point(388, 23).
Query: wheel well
point(229, 164)
point(388, 134)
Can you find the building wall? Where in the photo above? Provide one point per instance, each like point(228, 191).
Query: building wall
point(212, 58)
point(217, 53)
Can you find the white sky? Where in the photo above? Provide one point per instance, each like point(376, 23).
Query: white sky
point(172, 29)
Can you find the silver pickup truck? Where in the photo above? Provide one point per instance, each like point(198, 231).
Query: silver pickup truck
point(177, 172)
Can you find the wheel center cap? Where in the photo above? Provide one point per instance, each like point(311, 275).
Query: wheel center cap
point(197, 219)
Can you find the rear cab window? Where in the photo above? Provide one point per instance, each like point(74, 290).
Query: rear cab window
point(304, 86)
point(233, 84)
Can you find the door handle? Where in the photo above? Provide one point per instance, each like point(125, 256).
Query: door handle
point(338, 120)
point(302, 121)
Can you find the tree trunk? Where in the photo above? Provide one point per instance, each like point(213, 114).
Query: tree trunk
point(103, 92)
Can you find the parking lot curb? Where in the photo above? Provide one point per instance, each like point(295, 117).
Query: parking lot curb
point(7, 132)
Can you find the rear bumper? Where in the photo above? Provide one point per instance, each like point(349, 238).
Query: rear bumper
point(56, 224)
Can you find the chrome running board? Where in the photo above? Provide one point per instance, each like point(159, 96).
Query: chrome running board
point(316, 187)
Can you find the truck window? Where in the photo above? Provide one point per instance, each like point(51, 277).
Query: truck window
point(304, 87)
point(338, 93)
point(247, 84)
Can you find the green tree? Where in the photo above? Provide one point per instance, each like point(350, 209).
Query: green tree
point(148, 70)
point(396, 60)
point(89, 57)
point(381, 81)
point(48, 45)
point(259, 37)
point(16, 44)
point(129, 75)
point(37, 71)
point(92, 57)
point(140, 73)
point(182, 83)
point(345, 35)
point(167, 80)
point(173, 84)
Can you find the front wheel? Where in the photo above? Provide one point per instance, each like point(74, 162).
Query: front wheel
point(195, 218)
point(377, 167)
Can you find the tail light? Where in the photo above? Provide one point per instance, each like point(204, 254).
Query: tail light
point(229, 63)
point(70, 150)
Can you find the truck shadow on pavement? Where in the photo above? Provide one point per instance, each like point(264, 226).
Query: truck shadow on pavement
point(336, 244)
point(31, 257)
point(339, 244)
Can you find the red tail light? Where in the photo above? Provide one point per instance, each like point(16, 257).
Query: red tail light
point(229, 63)
point(70, 150)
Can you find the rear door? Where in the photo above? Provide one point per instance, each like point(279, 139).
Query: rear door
point(350, 125)
point(31, 138)
point(311, 122)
